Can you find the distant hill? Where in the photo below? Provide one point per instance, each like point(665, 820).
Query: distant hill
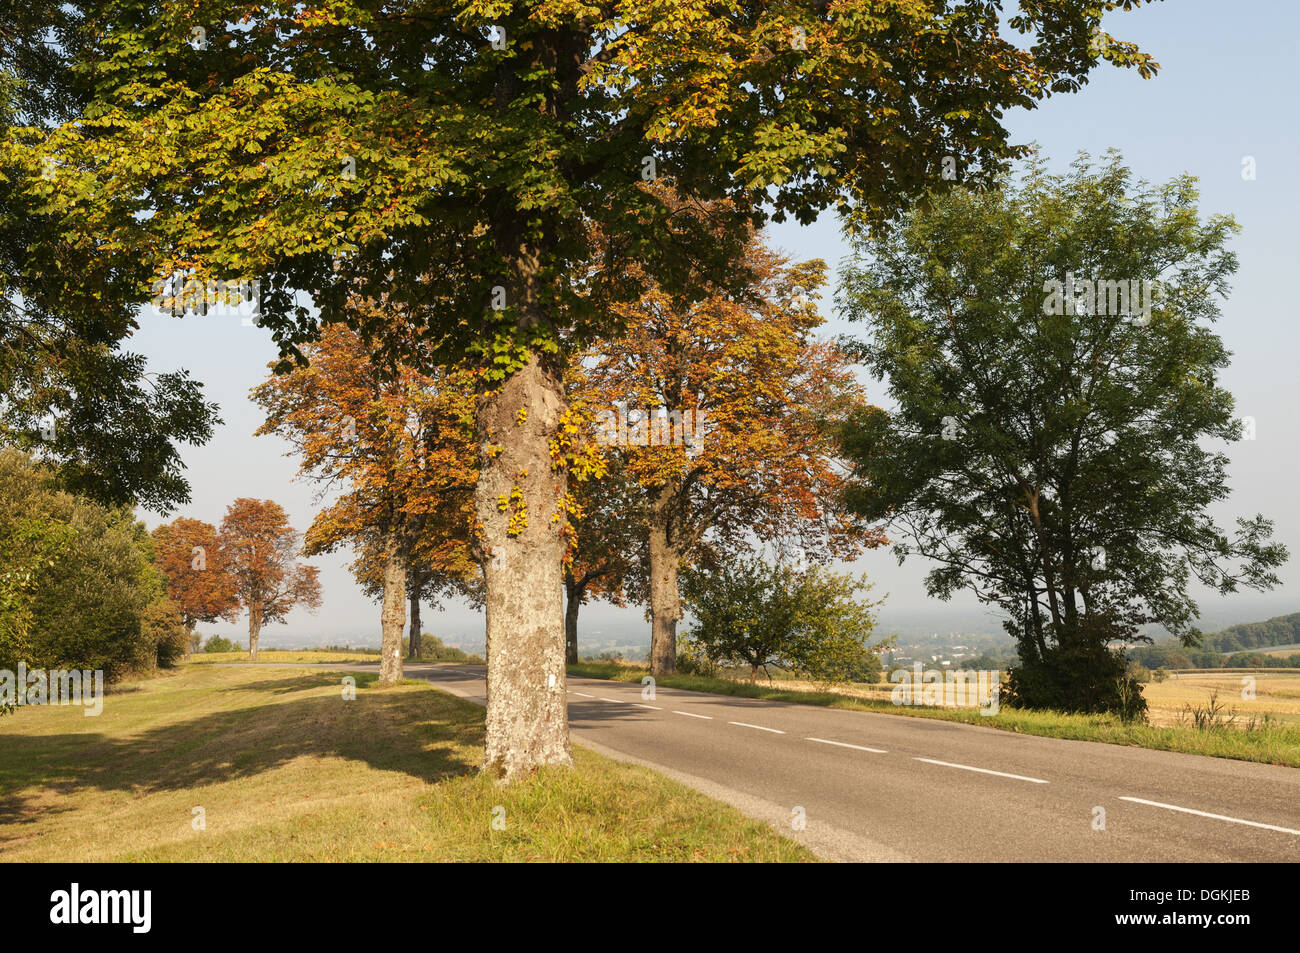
point(1282, 630)
point(1250, 644)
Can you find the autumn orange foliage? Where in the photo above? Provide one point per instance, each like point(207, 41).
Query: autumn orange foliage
point(723, 414)
point(189, 554)
point(260, 551)
point(398, 443)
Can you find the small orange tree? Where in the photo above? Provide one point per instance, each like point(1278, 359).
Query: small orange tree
point(401, 442)
point(188, 553)
point(260, 549)
point(723, 414)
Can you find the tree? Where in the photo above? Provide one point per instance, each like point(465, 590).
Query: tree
point(188, 553)
point(807, 621)
point(259, 549)
point(606, 551)
point(1048, 345)
point(484, 164)
point(401, 443)
point(68, 393)
point(439, 566)
point(219, 643)
point(723, 415)
point(78, 584)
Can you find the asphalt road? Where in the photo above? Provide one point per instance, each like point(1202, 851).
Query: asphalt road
point(891, 788)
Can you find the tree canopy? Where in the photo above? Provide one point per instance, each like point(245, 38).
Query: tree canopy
point(487, 165)
point(1055, 443)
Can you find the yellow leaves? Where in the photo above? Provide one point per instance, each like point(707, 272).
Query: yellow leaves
point(519, 518)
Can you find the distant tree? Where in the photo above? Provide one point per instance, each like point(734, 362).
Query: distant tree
point(189, 555)
point(1048, 347)
point(722, 414)
point(260, 551)
point(440, 566)
point(218, 643)
point(808, 621)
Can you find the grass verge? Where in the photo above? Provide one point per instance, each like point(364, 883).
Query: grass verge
point(1268, 744)
point(283, 769)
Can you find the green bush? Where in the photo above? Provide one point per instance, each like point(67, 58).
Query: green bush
point(1082, 675)
point(810, 622)
point(432, 649)
point(217, 643)
point(78, 584)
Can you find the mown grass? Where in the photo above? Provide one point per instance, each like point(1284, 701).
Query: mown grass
point(281, 656)
point(285, 770)
point(1273, 743)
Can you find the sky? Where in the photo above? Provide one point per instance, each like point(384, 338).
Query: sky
point(1226, 91)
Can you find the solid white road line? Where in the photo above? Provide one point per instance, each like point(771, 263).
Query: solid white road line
point(845, 744)
point(967, 767)
point(759, 727)
point(651, 707)
point(1217, 817)
point(689, 714)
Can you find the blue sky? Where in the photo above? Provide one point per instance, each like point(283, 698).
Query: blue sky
point(1226, 90)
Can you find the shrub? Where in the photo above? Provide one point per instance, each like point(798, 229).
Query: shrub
point(78, 585)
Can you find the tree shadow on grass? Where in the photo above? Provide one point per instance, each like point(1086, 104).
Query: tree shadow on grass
point(427, 735)
point(279, 686)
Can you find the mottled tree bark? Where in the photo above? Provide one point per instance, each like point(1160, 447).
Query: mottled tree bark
point(665, 600)
point(517, 502)
point(393, 616)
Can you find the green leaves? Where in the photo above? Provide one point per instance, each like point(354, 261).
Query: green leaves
point(1051, 458)
point(811, 622)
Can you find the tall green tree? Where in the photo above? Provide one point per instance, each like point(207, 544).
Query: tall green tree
point(1049, 347)
point(485, 164)
point(68, 392)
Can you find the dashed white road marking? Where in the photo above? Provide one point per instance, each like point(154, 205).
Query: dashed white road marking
point(690, 714)
point(651, 707)
point(845, 744)
point(616, 701)
point(742, 724)
point(967, 767)
point(583, 694)
point(1217, 817)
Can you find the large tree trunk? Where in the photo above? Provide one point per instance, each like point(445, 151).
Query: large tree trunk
point(254, 629)
point(573, 602)
point(414, 650)
point(517, 502)
point(393, 616)
point(665, 600)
